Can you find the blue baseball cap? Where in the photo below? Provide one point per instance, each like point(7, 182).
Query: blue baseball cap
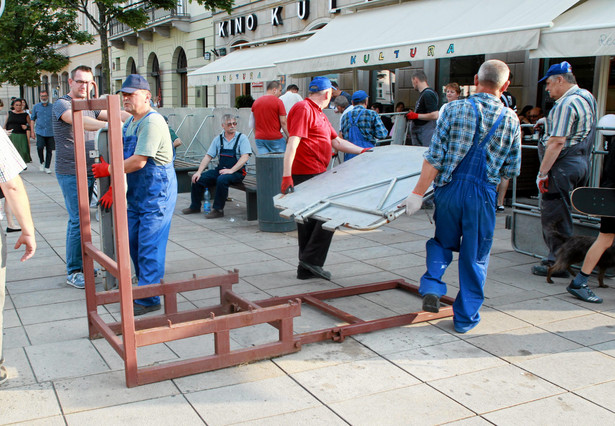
point(359, 96)
point(562, 68)
point(319, 84)
point(133, 83)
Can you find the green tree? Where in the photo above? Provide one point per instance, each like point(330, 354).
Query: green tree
point(30, 31)
point(102, 12)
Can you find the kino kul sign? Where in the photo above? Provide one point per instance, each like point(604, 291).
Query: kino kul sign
point(242, 24)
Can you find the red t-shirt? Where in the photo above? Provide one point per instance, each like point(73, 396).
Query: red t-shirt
point(307, 121)
point(267, 111)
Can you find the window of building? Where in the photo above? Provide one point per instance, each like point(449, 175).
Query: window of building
point(182, 70)
point(457, 70)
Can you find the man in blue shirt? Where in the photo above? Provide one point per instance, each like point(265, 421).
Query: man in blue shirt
point(234, 151)
point(41, 121)
point(361, 126)
point(476, 143)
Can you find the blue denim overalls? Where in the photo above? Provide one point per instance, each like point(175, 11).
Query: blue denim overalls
point(151, 197)
point(355, 136)
point(465, 220)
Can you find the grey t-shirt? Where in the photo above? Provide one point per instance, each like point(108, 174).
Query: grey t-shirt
point(65, 142)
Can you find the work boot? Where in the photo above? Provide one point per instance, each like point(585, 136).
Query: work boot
point(214, 214)
point(316, 270)
point(142, 309)
point(431, 303)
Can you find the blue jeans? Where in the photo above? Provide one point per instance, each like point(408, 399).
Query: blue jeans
point(211, 178)
point(68, 184)
point(264, 146)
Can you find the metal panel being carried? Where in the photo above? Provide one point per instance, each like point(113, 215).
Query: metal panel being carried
point(362, 193)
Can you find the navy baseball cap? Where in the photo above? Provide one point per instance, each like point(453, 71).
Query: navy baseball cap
point(561, 68)
point(133, 83)
point(359, 96)
point(319, 84)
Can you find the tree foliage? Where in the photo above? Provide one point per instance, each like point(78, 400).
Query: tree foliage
point(30, 31)
point(102, 14)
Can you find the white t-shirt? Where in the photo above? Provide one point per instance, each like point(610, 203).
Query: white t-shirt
point(289, 99)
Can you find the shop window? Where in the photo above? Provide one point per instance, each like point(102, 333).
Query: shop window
point(457, 70)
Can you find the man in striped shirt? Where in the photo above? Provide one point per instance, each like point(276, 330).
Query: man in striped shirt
point(564, 157)
point(476, 143)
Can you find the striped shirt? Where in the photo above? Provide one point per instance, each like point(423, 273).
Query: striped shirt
point(455, 132)
point(11, 163)
point(369, 123)
point(572, 116)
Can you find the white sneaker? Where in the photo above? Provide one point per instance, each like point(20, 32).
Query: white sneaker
point(42, 167)
point(48, 171)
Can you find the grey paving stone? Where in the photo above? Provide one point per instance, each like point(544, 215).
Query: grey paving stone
point(556, 368)
point(15, 337)
point(106, 390)
point(544, 310)
point(251, 401)
point(146, 355)
point(217, 379)
point(28, 403)
point(171, 410)
point(354, 379)
point(309, 417)
point(46, 297)
point(18, 368)
point(523, 343)
point(10, 318)
point(420, 403)
point(448, 359)
point(54, 312)
point(586, 330)
point(68, 358)
point(57, 331)
point(560, 409)
point(495, 388)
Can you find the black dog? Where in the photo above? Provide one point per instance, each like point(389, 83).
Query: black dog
point(573, 251)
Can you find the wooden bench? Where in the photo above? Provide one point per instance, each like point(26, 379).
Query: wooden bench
point(248, 185)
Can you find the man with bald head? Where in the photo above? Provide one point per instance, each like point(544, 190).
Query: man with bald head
point(477, 142)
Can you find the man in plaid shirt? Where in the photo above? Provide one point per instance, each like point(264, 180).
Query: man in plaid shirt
point(476, 143)
point(361, 126)
point(13, 189)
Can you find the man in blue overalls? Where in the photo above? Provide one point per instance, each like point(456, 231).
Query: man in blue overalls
point(361, 126)
point(152, 186)
point(477, 142)
point(234, 151)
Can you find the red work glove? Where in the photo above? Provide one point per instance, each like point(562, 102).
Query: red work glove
point(287, 185)
point(366, 150)
point(101, 169)
point(106, 201)
point(542, 183)
point(412, 115)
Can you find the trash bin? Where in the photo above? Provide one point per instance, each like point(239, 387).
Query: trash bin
point(269, 169)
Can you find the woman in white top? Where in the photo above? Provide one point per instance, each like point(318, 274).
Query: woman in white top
point(452, 91)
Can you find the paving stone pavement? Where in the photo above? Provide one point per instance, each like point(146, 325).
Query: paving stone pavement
point(538, 356)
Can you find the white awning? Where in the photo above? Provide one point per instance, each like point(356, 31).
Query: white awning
point(422, 29)
point(585, 30)
point(247, 65)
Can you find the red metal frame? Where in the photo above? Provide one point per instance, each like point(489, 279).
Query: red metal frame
point(233, 311)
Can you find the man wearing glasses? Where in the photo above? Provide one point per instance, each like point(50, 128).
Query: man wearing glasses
point(234, 150)
point(81, 83)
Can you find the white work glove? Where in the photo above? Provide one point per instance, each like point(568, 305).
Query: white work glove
point(413, 203)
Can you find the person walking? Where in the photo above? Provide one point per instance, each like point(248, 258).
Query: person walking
point(41, 122)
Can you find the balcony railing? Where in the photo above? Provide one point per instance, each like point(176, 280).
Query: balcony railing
point(155, 17)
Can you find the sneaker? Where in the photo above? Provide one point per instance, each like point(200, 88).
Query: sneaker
point(76, 280)
point(42, 167)
point(189, 211)
point(583, 293)
point(3, 374)
point(48, 171)
point(431, 303)
point(499, 209)
point(543, 270)
point(142, 309)
point(214, 214)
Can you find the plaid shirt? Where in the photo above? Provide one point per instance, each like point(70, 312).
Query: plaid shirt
point(11, 163)
point(455, 132)
point(369, 123)
point(572, 116)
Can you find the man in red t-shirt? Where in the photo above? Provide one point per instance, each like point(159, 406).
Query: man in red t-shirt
point(267, 118)
point(308, 153)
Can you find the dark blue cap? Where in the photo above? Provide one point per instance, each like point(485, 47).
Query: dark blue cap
point(359, 96)
point(562, 68)
point(133, 83)
point(319, 84)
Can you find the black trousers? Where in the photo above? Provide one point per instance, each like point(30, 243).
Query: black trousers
point(314, 241)
point(45, 143)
